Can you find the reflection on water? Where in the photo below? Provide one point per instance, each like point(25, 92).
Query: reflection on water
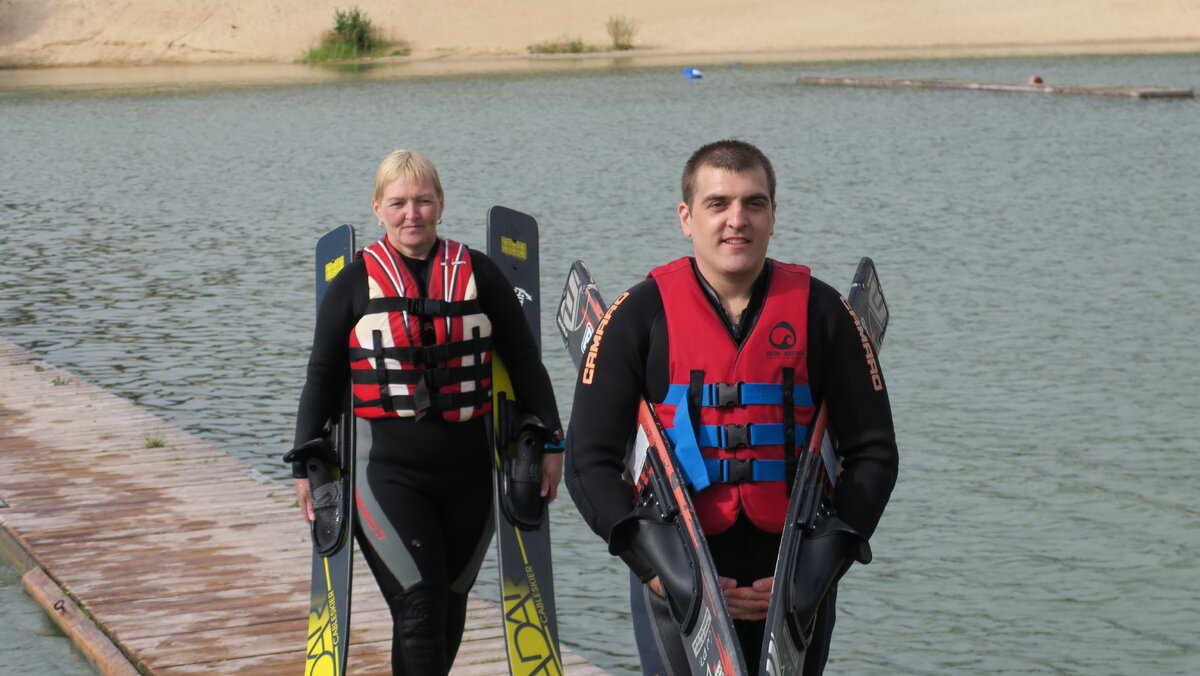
point(348, 68)
point(1039, 255)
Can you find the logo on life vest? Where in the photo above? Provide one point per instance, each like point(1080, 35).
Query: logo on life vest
point(783, 338)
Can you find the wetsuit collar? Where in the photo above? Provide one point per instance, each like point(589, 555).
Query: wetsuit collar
point(419, 267)
point(758, 295)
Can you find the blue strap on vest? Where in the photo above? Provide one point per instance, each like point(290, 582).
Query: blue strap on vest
point(742, 470)
point(698, 472)
point(742, 436)
point(687, 451)
point(744, 394)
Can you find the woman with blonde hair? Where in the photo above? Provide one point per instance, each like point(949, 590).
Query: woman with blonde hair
point(411, 326)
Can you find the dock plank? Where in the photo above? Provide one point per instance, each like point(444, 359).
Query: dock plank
point(165, 555)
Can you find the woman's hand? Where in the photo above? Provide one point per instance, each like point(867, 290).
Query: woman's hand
point(748, 603)
point(304, 499)
point(552, 468)
point(552, 464)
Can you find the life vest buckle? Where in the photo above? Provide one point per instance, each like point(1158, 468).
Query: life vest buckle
point(431, 355)
point(422, 399)
point(726, 394)
point(736, 436)
point(738, 470)
point(425, 307)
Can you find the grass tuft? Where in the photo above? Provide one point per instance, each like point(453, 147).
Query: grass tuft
point(563, 45)
point(354, 37)
point(620, 31)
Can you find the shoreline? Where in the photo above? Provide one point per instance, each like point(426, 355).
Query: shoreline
point(486, 36)
point(122, 76)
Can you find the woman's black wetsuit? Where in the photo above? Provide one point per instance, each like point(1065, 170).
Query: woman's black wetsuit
point(632, 361)
point(424, 487)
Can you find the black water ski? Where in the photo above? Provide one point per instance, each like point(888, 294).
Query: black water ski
point(330, 466)
point(696, 601)
point(522, 520)
point(794, 600)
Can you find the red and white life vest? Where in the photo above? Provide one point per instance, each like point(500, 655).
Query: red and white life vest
point(412, 355)
point(743, 430)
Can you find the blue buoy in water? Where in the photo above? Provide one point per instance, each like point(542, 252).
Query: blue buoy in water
point(692, 73)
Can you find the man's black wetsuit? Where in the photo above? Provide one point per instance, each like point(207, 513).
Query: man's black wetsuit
point(632, 361)
point(427, 485)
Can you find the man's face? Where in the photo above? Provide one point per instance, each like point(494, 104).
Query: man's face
point(730, 221)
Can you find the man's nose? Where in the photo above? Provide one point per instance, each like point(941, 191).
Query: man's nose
point(737, 215)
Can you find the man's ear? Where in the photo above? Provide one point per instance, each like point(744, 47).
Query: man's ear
point(685, 219)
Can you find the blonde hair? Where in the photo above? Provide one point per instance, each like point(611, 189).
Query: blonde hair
point(408, 164)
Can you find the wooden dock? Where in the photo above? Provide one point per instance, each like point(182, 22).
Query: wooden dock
point(1020, 87)
point(161, 554)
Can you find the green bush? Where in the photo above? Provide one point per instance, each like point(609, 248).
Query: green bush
point(354, 37)
point(563, 45)
point(621, 31)
point(354, 28)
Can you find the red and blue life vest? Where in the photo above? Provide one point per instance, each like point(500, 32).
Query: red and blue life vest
point(412, 355)
point(743, 409)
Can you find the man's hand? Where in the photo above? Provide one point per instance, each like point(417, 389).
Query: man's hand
point(656, 586)
point(304, 499)
point(745, 603)
point(748, 603)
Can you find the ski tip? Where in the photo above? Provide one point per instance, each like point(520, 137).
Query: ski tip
point(498, 212)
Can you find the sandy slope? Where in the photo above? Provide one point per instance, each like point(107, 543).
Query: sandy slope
point(79, 32)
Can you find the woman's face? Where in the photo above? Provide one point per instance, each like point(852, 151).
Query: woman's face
point(409, 211)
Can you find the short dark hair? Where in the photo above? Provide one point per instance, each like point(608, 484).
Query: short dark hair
point(730, 155)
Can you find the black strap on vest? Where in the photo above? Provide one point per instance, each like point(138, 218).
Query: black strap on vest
point(789, 424)
point(695, 398)
point(424, 355)
point(437, 377)
point(425, 307)
point(423, 400)
point(477, 341)
point(381, 374)
point(425, 382)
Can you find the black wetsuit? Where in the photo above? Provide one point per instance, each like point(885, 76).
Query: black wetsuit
point(632, 362)
point(427, 485)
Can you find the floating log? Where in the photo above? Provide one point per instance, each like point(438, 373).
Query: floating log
point(1022, 87)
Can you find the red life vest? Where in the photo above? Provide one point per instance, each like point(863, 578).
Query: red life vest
point(410, 354)
point(745, 434)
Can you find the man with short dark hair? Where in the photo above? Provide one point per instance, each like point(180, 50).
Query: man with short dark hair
point(730, 315)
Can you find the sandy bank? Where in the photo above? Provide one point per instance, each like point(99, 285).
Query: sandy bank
point(39, 33)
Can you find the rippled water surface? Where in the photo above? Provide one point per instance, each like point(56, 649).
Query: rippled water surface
point(1039, 255)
